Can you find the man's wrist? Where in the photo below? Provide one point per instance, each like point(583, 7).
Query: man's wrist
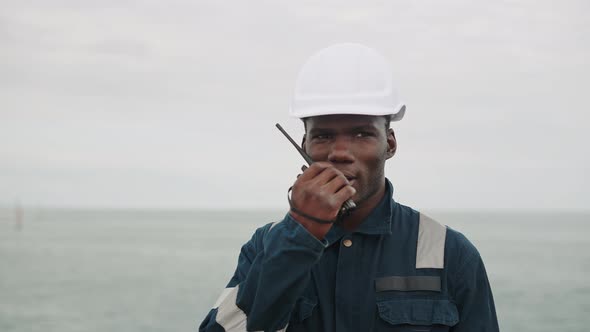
point(316, 229)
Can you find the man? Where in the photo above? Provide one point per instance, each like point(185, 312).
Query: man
point(383, 266)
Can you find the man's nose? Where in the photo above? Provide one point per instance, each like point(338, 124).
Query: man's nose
point(340, 151)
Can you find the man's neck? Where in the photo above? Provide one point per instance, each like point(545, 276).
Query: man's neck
point(356, 218)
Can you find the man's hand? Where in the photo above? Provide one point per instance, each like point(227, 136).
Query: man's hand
point(320, 192)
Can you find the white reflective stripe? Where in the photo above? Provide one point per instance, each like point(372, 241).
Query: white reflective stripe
point(274, 224)
point(222, 297)
point(229, 315)
point(430, 251)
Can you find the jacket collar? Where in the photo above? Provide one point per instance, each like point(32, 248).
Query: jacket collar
point(377, 223)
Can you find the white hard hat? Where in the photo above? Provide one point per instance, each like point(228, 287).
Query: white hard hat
point(346, 79)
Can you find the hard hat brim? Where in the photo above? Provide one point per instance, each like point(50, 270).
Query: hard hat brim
point(397, 113)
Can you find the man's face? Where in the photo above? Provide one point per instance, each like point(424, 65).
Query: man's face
point(357, 145)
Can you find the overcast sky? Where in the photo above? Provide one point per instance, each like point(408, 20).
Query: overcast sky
point(173, 103)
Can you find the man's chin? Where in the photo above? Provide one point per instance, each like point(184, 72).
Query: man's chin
point(357, 199)
point(361, 198)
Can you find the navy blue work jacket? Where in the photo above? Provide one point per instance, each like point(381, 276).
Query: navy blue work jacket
point(367, 280)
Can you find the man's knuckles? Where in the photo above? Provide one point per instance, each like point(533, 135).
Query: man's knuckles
point(317, 167)
point(323, 167)
point(335, 203)
point(352, 190)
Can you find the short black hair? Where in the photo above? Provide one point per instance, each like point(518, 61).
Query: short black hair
point(387, 122)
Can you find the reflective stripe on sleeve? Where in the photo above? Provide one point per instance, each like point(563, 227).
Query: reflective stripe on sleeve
point(229, 315)
point(430, 251)
point(222, 297)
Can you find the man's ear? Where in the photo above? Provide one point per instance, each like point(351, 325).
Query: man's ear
point(391, 143)
point(303, 142)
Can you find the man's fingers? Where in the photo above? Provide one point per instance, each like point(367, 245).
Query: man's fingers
point(326, 176)
point(321, 190)
point(344, 194)
point(314, 169)
point(336, 183)
point(303, 168)
point(321, 174)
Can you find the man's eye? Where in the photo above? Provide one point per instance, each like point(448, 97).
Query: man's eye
point(362, 134)
point(322, 136)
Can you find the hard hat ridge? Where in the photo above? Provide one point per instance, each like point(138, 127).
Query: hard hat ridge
point(346, 78)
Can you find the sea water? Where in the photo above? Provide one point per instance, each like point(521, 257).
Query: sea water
point(134, 270)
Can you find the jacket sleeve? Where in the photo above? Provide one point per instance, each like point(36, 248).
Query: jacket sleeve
point(473, 296)
point(273, 269)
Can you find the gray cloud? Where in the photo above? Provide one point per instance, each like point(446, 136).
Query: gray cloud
point(173, 103)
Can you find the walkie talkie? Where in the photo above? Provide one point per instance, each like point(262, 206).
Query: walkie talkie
point(349, 205)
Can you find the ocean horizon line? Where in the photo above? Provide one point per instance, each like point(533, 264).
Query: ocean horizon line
point(112, 208)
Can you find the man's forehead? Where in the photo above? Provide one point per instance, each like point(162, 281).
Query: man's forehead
point(343, 120)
